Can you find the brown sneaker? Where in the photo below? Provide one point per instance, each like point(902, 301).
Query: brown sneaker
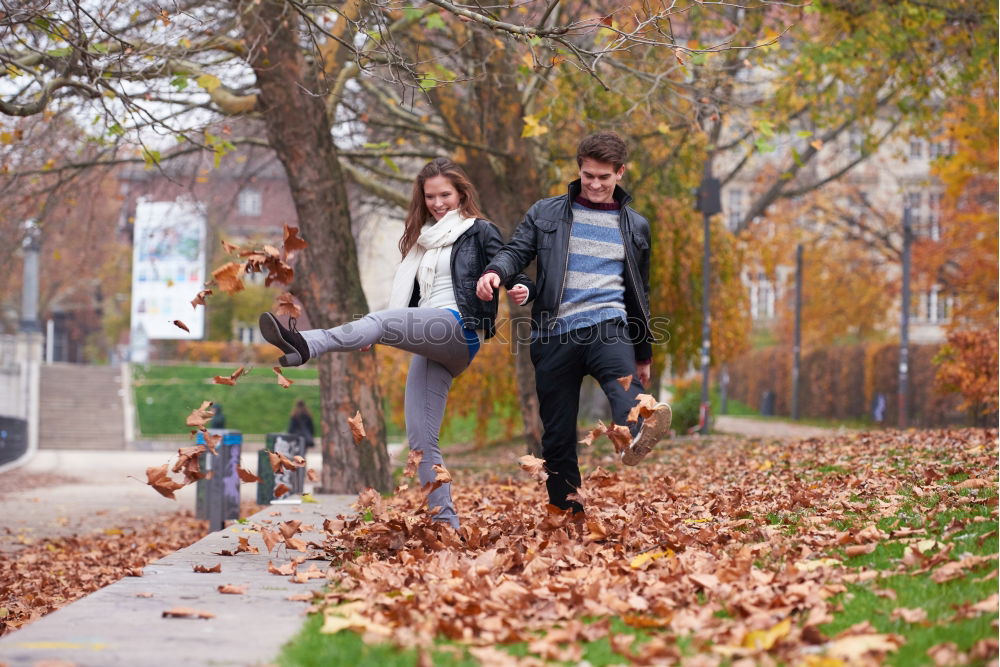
point(654, 428)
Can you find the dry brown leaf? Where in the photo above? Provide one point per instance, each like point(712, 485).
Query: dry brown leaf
point(282, 380)
point(144, 594)
point(534, 466)
point(594, 433)
point(205, 568)
point(280, 490)
point(181, 325)
point(220, 379)
point(441, 477)
point(270, 538)
point(232, 589)
point(644, 404)
point(625, 382)
point(199, 299)
point(284, 570)
point(620, 437)
point(229, 247)
point(201, 415)
point(246, 475)
point(187, 612)
point(290, 528)
point(947, 655)
point(157, 477)
point(229, 277)
point(413, 460)
point(975, 483)
point(357, 427)
point(311, 475)
point(909, 615)
point(287, 307)
point(291, 241)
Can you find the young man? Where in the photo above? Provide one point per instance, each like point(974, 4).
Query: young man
point(591, 312)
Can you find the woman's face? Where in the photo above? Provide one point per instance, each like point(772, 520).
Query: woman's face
point(440, 196)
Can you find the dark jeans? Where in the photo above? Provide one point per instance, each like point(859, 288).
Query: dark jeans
point(602, 351)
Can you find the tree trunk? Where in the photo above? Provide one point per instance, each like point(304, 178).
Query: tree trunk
point(327, 279)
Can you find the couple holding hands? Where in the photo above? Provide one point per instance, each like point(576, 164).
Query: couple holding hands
point(590, 308)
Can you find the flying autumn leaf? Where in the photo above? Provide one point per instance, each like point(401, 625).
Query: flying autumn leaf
point(282, 380)
point(534, 466)
point(280, 490)
point(205, 568)
point(246, 475)
point(187, 462)
point(229, 247)
point(441, 477)
point(292, 243)
point(357, 427)
point(312, 476)
point(199, 300)
point(413, 460)
point(594, 433)
point(158, 478)
point(231, 380)
point(288, 529)
point(644, 404)
point(286, 306)
point(229, 277)
point(212, 440)
point(625, 382)
point(181, 325)
point(620, 436)
point(201, 415)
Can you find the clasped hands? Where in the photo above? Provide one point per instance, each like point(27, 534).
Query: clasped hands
point(490, 282)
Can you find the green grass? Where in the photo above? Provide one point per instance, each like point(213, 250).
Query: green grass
point(920, 591)
point(166, 395)
point(347, 649)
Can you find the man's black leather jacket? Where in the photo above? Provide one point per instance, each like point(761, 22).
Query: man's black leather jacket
point(544, 234)
point(470, 254)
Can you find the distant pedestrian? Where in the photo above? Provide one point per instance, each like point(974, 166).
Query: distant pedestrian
point(301, 423)
point(218, 419)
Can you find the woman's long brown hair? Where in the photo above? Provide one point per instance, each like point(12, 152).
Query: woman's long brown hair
point(417, 214)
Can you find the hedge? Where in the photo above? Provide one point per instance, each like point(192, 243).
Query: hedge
point(842, 382)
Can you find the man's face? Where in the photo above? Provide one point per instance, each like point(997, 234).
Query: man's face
point(599, 179)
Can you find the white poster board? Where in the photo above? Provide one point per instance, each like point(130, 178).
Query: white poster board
point(168, 270)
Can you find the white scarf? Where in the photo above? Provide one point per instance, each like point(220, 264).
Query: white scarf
point(433, 239)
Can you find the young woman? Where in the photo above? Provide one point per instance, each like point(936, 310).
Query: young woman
point(433, 309)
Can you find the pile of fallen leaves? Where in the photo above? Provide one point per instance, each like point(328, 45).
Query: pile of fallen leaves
point(688, 548)
point(51, 573)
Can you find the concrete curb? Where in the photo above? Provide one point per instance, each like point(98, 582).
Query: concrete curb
point(115, 626)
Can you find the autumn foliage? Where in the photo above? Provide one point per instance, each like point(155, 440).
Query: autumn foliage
point(739, 546)
point(968, 366)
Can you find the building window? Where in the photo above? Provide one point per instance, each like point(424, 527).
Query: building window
point(735, 207)
point(935, 306)
point(248, 202)
point(916, 147)
point(941, 148)
point(925, 214)
point(934, 216)
point(762, 298)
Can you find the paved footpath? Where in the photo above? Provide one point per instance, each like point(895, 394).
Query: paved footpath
point(63, 492)
point(123, 624)
point(761, 428)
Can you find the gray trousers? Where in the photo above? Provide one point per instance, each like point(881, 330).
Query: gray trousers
point(440, 353)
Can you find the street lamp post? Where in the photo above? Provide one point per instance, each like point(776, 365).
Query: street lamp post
point(29, 290)
point(709, 203)
point(904, 324)
point(797, 347)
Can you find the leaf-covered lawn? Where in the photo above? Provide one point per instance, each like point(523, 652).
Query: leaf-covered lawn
point(862, 549)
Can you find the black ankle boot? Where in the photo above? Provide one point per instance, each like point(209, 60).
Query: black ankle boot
point(288, 340)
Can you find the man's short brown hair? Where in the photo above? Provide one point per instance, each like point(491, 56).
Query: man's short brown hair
point(605, 147)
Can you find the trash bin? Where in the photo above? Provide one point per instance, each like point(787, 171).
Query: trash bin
point(218, 494)
point(767, 403)
point(291, 446)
